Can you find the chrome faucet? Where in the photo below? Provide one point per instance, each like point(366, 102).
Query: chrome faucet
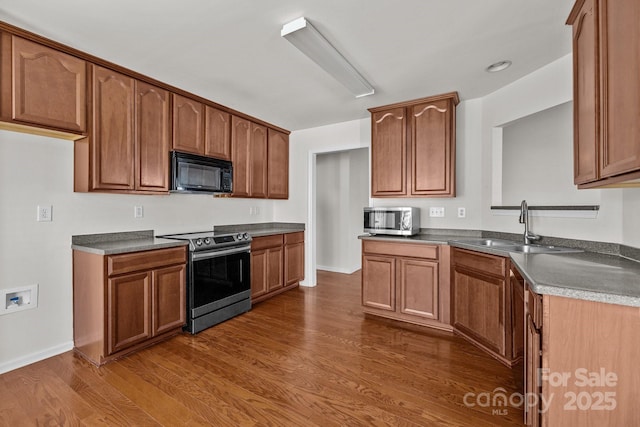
point(524, 219)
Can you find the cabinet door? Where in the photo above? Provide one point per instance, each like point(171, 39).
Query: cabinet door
point(152, 138)
point(274, 268)
point(418, 281)
point(432, 148)
point(533, 364)
point(169, 303)
point(294, 263)
point(479, 308)
point(620, 149)
point(258, 162)
point(113, 130)
point(188, 125)
point(217, 133)
point(49, 87)
point(240, 143)
point(129, 317)
point(586, 94)
point(379, 282)
point(389, 153)
point(278, 165)
point(259, 274)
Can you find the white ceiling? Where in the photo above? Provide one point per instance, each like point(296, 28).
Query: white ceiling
point(230, 51)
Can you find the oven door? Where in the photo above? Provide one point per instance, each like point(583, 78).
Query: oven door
point(219, 279)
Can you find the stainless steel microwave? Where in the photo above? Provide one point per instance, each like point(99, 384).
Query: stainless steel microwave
point(191, 173)
point(399, 221)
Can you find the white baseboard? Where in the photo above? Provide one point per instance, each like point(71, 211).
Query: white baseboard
point(337, 269)
point(35, 357)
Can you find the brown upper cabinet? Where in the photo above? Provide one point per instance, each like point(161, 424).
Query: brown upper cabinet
point(413, 148)
point(42, 86)
point(217, 133)
point(201, 129)
point(124, 124)
point(153, 136)
point(278, 165)
point(129, 145)
point(240, 143)
point(260, 159)
point(606, 39)
point(113, 118)
point(188, 125)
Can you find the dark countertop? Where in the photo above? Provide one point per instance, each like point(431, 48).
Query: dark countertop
point(584, 275)
point(136, 241)
point(427, 238)
point(120, 243)
point(262, 229)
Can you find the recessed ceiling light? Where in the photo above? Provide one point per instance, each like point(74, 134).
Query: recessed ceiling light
point(498, 66)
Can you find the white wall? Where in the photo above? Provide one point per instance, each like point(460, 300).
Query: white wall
point(548, 87)
point(304, 146)
point(329, 207)
point(358, 199)
point(535, 152)
point(37, 170)
point(342, 191)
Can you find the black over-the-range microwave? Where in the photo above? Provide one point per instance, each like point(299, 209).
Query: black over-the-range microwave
point(191, 173)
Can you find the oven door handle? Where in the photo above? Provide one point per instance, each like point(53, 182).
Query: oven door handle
point(216, 254)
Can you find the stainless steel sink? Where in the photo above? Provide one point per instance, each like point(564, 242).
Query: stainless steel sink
point(511, 246)
point(487, 242)
point(539, 249)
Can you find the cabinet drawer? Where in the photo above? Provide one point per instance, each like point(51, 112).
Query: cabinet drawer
point(147, 260)
point(266, 242)
point(414, 250)
point(291, 238)
point(486, 263)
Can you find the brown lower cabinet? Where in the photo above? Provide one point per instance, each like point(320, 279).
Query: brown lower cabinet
point(404, 281)
point(127, 301)
point(277, 264)
point(483, 304)
point(581, 362)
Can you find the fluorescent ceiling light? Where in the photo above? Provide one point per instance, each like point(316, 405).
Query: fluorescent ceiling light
point(309, 41)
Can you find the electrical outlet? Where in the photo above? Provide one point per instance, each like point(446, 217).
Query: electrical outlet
point(462, 212)
point(436, 212)
point(44, 213)
point(138, 211)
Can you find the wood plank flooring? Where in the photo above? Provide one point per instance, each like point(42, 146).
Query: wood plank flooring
point(308, 357)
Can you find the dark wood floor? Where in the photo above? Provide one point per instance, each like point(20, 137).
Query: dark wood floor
point(307, 357)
